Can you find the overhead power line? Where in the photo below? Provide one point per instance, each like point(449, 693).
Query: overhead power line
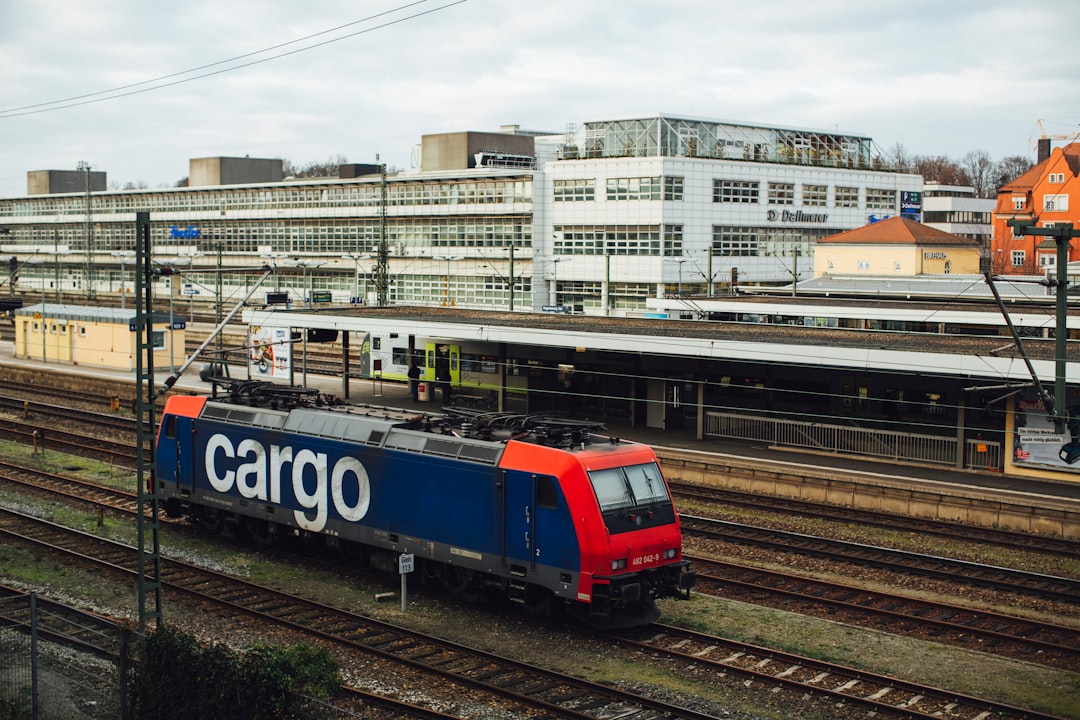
point(168, 80)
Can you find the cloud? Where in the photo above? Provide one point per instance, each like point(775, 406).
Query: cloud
point(940, 78)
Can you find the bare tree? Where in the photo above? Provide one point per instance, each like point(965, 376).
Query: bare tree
point(940, 169)
point(898, 157)
point(327, 168)
point(1010, 168)
point(979, 169)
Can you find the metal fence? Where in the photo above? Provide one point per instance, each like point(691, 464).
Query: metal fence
point(57, 663)
point(849, 440)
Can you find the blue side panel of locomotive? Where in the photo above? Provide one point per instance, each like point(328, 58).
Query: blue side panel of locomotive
point(348, 489)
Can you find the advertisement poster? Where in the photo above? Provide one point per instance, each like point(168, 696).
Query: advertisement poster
point(270, 352)
point(1036, 443)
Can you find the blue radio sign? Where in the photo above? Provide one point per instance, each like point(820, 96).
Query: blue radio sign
point(189, 233)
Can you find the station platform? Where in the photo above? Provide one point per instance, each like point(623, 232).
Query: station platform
point(394, 394)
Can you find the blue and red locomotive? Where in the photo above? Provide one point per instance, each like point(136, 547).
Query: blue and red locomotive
point(542, 510)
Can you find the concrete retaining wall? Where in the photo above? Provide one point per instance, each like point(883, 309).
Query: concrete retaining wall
point(920, 498)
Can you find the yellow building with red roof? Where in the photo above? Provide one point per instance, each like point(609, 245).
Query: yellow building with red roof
point(895, 247)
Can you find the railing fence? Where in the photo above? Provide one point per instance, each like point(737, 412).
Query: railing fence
point(848, 440)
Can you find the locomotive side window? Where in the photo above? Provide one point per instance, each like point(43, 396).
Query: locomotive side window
point(170, 427)
point(546, 495)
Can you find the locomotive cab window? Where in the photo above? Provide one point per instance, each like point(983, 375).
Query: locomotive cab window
point(627, 487)
point(632, 498)
point(170, 427)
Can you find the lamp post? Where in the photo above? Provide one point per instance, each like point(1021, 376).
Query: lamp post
point(680, 261)
point(273, 257)
point(124, 256)
point(356, 258)
point(509, 282)
point(447, 301)
point(188, 258)
point(555, 277)
point(304, 264)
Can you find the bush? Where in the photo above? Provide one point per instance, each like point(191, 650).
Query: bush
point(177, 679)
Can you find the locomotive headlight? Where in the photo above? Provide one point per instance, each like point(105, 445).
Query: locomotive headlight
point(619, 564)
point(670, 554)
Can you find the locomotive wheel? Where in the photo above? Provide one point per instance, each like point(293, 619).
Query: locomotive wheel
point(456, 579)
point(212, 520)
point(260, 531)
point(538, 600)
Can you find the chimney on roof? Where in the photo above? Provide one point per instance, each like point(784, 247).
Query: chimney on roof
point(1044, 149)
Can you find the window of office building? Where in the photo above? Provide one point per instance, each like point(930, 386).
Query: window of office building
point(847, 197)
point(735, 241)
point(673, 240)
point(673, 188)
point(608, 239)
point(735, 191)
point(1018, 258)
point(574, 190)
point(781, 193)
point(877, 199)
point(815, 195)
point(638, 188)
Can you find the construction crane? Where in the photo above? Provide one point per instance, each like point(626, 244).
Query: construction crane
point(1067, 137)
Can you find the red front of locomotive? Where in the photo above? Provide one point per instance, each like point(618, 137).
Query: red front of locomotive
point(631, 547)
point(628, 534)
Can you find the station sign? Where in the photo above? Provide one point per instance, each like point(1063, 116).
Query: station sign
point(321, 296)
point(189, 233)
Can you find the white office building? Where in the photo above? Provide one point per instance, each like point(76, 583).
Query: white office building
point(596, 219)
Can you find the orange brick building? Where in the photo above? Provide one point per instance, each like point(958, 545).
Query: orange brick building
point(1042, 195)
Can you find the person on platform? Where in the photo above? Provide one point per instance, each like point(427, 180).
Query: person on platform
point(414, 381)
point(443, 378)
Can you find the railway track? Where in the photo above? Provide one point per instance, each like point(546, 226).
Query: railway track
point(974, 629)
point(96, 635)
point(37, 408)
point(1059, 589)
point(508, 682)
point(13, 394)
point(877, 695)
point(1025, 542)
point(48, 437)
point(1044, 643)
point(517, 685)
point(67, 488)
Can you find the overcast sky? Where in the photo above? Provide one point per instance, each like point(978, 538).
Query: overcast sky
point(941, 78)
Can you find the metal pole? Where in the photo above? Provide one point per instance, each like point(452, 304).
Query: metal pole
point(172, 346)
point(34, 707)
point(1061, 331)
point(511, 277)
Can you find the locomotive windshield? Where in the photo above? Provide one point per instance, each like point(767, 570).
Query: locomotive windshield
point(630, 486)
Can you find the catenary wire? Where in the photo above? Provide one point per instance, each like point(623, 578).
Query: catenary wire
point(136, 89)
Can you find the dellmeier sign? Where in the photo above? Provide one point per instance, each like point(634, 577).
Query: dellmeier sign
point(796, 216)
